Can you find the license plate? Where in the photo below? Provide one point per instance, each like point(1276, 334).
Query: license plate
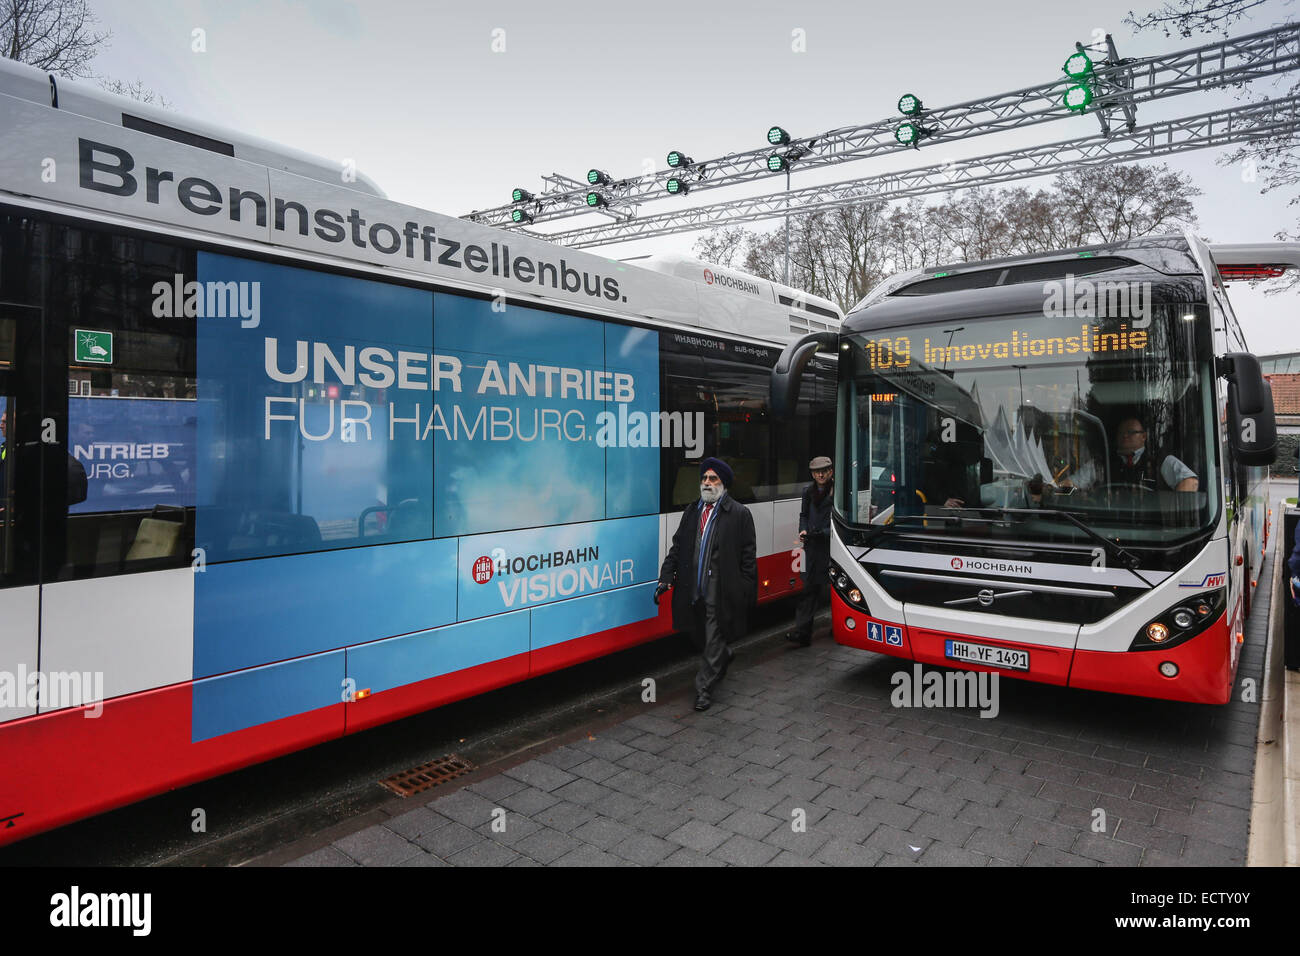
point(986, 655)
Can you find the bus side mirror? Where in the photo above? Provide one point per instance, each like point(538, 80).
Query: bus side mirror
point(1252, 425)
point(788, 371)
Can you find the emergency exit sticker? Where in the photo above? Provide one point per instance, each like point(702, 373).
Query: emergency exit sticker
point(93, 348)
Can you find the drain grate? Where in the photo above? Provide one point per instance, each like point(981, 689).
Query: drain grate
point(421, 778)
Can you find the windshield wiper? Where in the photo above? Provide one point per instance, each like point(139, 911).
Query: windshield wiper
point(1126, 558)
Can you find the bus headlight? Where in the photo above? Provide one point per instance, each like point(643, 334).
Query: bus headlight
point(1181, 622)
point(845, 588)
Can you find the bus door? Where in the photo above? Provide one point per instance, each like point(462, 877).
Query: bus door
point(20, 506)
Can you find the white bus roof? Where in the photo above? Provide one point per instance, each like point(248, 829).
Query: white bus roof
point(808, 313)
point(128, 165)
point(37, 86)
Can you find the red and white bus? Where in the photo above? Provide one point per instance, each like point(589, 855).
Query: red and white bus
point(284, 460)
point(1052, 467)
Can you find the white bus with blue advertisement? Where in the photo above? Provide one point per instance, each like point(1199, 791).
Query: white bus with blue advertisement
point(285, 460)
point(1054, 466)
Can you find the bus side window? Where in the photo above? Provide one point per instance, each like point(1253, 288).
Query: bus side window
point(131, 403)
point(731, 393)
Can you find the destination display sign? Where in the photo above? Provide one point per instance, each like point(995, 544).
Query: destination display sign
point(999, 344)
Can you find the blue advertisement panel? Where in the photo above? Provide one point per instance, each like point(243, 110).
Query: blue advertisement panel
point(631, 432)
point(337, 413)
point(537, 426)
point(347, 412)
point(137, 452)
point(512, 570)
point(300, 447)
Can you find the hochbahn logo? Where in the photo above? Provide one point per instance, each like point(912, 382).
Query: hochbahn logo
point(549, 575)
point(731, 282)
point(981, 564)
point(538, 562)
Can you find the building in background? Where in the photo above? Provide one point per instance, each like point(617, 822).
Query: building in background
point(1283, 373)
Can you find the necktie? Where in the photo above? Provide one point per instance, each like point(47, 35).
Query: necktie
point(1129, 461)
point(702, 559)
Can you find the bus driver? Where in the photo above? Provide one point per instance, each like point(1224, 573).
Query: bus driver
point(1132, 464)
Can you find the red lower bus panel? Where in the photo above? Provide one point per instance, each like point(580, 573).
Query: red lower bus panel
point(858, 635)
point(1048, 665)
point(1204, 669)
point(62, 766)
point(776, 577)
point(567, 653)
point(436, 691)
point(398, 702)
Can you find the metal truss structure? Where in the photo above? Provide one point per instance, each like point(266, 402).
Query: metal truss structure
point(1273, 118)
point(1119, 85)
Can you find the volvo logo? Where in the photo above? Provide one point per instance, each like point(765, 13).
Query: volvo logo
point(987, 596)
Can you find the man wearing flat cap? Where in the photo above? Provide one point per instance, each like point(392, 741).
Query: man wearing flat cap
point(712, 569)
point(815, 536)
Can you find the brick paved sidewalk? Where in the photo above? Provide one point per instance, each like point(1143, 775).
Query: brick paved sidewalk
point(813, 731)
point(809, 736)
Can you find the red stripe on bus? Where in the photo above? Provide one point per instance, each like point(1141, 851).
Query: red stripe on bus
point(63, 766)
point(842, 612)
point(1204, 669)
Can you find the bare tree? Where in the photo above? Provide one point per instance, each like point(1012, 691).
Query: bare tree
point(135, 89)
point(913, 238)
point(1188, 17)
point(724, 247)
point(55, 35)
point(973, 225)
point(842, 252)
point(1271, 160)
point(1115, 203)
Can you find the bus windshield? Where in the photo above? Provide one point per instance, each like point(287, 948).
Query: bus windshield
point(992, 424)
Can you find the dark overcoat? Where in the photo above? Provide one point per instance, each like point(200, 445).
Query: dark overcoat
point(815, 518)
point(736, 567)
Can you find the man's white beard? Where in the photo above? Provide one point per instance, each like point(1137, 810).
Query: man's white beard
point(709, 493)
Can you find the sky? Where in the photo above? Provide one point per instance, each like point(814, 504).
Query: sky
point(448, 106)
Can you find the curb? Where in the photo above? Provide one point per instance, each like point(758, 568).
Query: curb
point(1276, 796)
